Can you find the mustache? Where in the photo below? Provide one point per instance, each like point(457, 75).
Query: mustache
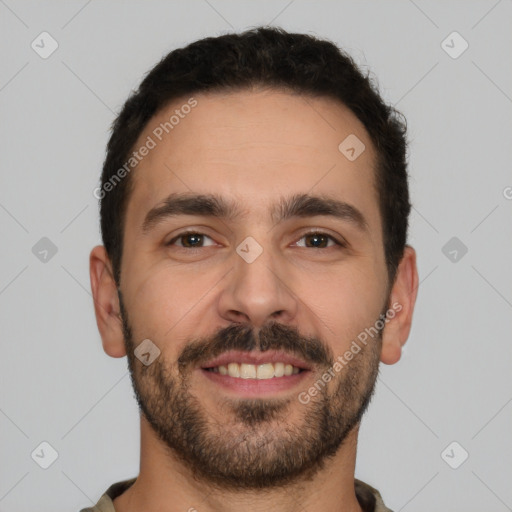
point(272, 336)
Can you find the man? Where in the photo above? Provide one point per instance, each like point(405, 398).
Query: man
point(254, 207)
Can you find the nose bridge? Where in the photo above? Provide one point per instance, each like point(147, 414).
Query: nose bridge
point(257, 290)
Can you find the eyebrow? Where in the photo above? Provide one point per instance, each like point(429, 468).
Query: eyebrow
point(212, 205)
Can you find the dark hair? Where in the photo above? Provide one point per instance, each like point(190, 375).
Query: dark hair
point(266, 57)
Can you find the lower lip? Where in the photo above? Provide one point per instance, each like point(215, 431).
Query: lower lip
point(256, 387)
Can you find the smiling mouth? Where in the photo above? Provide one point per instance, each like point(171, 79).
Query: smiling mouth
point(255, 373)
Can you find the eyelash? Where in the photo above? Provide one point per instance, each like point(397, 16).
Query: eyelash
point(339, 243)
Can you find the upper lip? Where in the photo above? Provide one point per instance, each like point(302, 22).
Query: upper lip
point(269, 356)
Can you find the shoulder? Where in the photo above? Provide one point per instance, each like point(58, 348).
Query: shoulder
point(105, 503)
point(369, 498)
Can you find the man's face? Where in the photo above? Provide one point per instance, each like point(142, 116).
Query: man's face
point(265, 284)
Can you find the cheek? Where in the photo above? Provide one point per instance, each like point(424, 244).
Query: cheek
point(345, 304)
point(155, 304)
point(164, 303)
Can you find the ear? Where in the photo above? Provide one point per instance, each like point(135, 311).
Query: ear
point(106, 302)
point(401, 301)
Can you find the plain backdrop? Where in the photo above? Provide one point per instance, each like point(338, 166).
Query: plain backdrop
point(453, 384)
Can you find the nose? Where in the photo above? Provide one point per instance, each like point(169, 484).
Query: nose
point(258, 292)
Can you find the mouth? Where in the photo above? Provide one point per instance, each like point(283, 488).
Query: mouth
point(256, 373)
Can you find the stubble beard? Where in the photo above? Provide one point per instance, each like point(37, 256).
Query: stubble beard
point(254, 447)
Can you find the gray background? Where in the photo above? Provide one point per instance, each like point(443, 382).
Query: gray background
point(454, 381)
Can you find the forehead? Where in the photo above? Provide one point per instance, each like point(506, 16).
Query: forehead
point(254, 146)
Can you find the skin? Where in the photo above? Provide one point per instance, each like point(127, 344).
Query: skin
point(255, 147)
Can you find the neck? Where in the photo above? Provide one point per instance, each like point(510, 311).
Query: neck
point(166, 484)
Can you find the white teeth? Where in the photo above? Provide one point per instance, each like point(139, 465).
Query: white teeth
point(261, 371)
point(233, 370)
point(247, 371)
point(265, 371)
point(278, 369)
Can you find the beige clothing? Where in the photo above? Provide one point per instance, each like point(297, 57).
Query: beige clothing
point(368, 497)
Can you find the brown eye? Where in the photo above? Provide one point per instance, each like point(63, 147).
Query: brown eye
point(190, 240)
point(319, 240)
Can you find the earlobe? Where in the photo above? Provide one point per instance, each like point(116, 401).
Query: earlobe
point(106, 303)
point(402, 300)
